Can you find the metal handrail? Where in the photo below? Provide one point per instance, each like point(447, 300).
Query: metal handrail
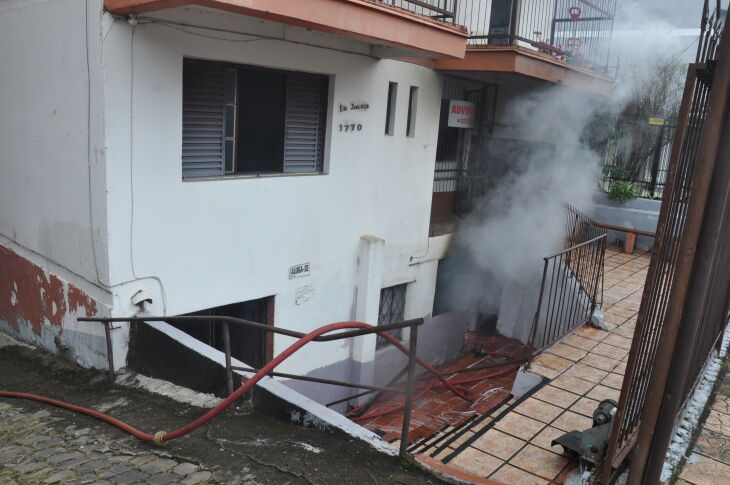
point(413, 324)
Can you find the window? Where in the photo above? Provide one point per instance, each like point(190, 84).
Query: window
point(392, 310)
point(412, 103)
point(390, 108)
point(245, 120)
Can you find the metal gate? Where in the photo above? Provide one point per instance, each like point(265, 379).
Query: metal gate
point(684, 308)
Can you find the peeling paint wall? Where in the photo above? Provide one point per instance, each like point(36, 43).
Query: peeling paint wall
point(41, 308)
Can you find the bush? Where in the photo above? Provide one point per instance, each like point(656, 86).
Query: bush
point(622, 192)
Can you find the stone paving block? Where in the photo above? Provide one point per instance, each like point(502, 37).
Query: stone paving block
point(132, 476)
point(164, 479)
point(61, 457)
point(197, 477)
point(114, 470)
point(158, 466)
point(94, 465)
point(185, 469)
point(713, 445)
point(476, 462)
point(57, 477)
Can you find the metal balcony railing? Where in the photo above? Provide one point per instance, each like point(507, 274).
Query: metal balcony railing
point(437, 9)
point(576, 31)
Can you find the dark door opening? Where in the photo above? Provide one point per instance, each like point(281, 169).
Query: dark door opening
point(251, 346)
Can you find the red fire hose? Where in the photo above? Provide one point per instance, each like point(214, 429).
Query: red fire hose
point(161, 436)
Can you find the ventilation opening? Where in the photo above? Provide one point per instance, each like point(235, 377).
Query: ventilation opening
point(249, 345)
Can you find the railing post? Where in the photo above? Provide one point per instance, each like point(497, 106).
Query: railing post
point(227, 348)
point(410, 385)
point(109, 351)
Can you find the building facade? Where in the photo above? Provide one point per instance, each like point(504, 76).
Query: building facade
point(269, 162)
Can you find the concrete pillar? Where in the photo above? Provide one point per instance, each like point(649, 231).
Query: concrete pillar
point(369, 284)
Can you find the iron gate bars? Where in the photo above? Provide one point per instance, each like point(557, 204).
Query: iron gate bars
point(685, 303)
point(572, 281)
point(226, 321)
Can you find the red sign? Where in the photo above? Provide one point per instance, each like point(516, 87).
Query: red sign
point(462, 114)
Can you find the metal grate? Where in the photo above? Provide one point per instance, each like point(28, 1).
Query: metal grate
point(392, 310)
point(643, 395)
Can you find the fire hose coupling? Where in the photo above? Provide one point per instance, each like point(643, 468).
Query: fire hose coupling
point(160, 438)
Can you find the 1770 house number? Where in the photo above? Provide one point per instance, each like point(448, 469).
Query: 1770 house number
point(349, 126)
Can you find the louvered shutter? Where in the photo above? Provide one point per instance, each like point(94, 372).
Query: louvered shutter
point(306, 118)
point(203, 119)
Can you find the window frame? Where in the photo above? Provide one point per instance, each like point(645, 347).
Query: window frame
point(327, 111)
point(381, 342)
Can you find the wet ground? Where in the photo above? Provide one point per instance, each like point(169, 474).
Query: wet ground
point(239, 446)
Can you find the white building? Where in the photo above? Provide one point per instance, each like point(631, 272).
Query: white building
point(273, 161)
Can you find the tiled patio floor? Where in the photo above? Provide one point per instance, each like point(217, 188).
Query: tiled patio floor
point(440, 408)
point(709, 462)
point(511, 445)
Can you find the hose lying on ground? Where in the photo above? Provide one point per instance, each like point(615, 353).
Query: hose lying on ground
point(161, 436)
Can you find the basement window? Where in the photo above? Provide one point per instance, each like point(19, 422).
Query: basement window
point(390, 108)
point(392, 310)
point(245, 120)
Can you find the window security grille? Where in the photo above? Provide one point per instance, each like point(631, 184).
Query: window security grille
point(392, 310)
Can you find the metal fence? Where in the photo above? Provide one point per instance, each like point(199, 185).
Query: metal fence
point(640, 155)
point(572, 282)
point(577, 31)
point(686, 298)
point(437, 9)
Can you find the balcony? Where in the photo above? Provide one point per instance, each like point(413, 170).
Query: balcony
point(395, 28)
point(560, 41)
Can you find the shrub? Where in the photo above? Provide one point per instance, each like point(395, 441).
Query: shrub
point(622, 192)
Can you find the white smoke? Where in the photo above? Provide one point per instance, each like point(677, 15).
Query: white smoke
point(521, 220)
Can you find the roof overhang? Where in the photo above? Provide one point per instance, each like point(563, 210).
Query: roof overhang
point(365, 20)
point(526, 62)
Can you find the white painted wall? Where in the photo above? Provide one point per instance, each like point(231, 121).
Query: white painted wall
point(52, 169)
point(201, 244)
point(49, 157)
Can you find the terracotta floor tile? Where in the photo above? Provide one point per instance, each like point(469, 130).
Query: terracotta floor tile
point(540, 462)
point(587, 373)
point(618, 341)
point(567, 352)
point(713, 445)
point(620, 368)
point(556, 396)
point(701, 470)
point(545, 438)
point(476, 462)
point(553, 361)
point(586, 331)
point(539, 410)
point(721, 404)
point(519, 426)
point(580, 342)
point(498, 444)
point(718, 422)
point(510, 475)
point(461, 439)
point(611, 351)
point(569, 421)
point(625, 331)
point(585, 406)
point(599, 393)
point(572, 384)
point(444, 453)
point(600, 362)
point(613, 380)
point(544, 371)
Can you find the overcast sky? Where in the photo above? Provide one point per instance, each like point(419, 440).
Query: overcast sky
point(645, 28)
point(677, 13)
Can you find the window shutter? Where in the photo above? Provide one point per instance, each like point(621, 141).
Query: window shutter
point(306, 118)
point(203, 119)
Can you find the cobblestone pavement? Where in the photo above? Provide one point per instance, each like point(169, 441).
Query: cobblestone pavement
point(709, 461)
point(42, 444)
point(39, 448)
